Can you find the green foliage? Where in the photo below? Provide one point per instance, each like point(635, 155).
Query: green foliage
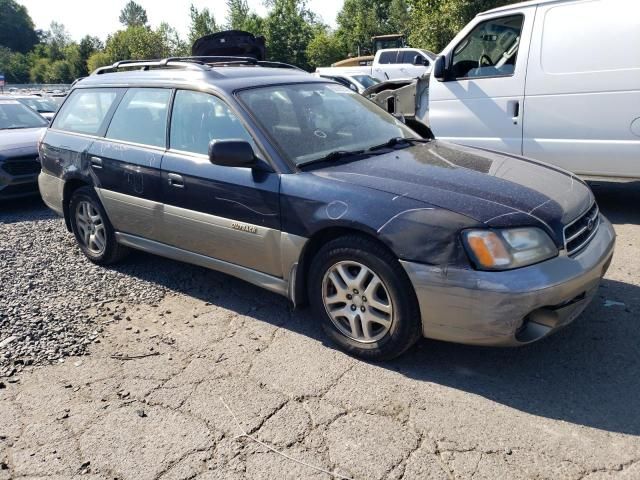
point(14, 65)
point(17, 32)
point(324, 49)
point(133, 15)
point(435, 22)
point(288, 28)
point(202, 23)
point(359, 20)
point(97, 60)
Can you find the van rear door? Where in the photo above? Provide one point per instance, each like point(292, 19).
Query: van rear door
point(480, 103)
point(582, 98)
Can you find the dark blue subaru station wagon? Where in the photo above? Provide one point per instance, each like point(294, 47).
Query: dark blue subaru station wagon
point(303, 187)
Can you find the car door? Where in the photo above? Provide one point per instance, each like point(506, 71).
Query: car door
point(480, 102)
point(227, 213)
point(582, 98)
point(386, 66)
point(127, 160)
point(409, 68)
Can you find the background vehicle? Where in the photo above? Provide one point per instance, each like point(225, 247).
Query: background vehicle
point(388, 64)
point(305, 188)
point(20, 130)
point(356, 82)
point(579, 107)
point(43, 105)
point(379, 42)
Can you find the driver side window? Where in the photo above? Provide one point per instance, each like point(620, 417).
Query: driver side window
point(490, 50)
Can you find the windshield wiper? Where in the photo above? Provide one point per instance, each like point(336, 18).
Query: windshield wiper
point(392, 142)
point(333, 156)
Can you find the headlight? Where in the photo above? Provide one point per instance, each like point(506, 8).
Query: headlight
point(509, 248)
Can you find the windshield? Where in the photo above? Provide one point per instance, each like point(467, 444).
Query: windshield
point(15, 115)
point(41, 105)
point(366, 80)
point(310, 121)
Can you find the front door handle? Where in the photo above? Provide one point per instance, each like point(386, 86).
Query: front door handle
point(96, 162)
point(515, 111)
point(175, 180)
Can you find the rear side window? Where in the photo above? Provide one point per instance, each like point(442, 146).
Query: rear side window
point(198, 118)
point(141, 117)
point(85, 110)
point(388, 57)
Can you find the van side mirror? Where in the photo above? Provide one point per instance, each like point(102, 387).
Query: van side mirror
point(231, 153)
point(418, 60)
point(440, 68)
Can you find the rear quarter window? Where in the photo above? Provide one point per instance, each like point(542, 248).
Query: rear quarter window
point(85, 111)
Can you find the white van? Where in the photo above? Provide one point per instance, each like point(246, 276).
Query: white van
point(555, 80)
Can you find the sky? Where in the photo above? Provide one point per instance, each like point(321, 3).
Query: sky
point(100, 17)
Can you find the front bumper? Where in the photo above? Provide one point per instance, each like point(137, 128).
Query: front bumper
point(514, 307)
point(18, 178)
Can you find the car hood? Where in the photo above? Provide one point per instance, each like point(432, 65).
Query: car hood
point(493, 188)
point(19, 139)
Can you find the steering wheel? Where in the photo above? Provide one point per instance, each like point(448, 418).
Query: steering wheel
point(485, 61)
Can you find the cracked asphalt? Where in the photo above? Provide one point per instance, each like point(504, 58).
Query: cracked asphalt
point(220, 380)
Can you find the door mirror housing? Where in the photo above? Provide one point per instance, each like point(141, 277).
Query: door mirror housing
point(440, 68)
point(232, 153)
point(418, 60)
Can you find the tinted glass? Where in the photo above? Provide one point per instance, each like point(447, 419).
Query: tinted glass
point(309, 121)
point(141, 117)
point(490, 50)
point(388, 57)
point(366, 80)
point(198, 118)
point(85, 110)
point(14, 115)
point(40, 105)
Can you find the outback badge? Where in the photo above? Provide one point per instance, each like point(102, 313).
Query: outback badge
point(243, 227)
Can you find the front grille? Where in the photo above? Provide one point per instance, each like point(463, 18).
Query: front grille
point(21, 166)
point(579, 233)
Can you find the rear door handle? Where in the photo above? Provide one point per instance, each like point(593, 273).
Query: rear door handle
point(96, 162)
point(175, 180)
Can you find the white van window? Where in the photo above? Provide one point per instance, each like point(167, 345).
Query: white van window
point(490, 50)
point(604, 39)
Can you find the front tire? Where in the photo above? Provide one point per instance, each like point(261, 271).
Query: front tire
point(364, 298)
point(93, 230)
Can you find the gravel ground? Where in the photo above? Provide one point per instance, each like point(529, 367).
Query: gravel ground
point(51, 295)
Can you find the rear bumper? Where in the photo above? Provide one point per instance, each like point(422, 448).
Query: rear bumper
point(52, 192)
point(514, 307)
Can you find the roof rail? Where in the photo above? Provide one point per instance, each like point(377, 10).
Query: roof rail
point(199, 63)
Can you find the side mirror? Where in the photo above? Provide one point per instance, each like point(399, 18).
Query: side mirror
point(231, 153)
point(418, 60)
point(440, 68)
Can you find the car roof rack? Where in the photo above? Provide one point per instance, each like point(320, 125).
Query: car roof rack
point(199, 63)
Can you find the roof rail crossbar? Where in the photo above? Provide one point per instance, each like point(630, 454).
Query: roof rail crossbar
point(199, 62)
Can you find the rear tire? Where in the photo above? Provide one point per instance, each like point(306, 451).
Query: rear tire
point(93, 230)
point(364, 298)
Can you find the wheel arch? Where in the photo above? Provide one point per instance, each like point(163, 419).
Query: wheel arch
point(313, 246)
point(70, 186)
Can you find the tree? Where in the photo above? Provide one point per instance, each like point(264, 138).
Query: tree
point(16, 27)
point(14, 65)
point(435, 22)
point(324, 49)
point(133, 15)
point(238, 14)
point(359, 20)
point(170, 43)
point(288, 28)
point(97, 60)
point(136, 42)
point(88, 46)
point(399, 17)
point(202, 23)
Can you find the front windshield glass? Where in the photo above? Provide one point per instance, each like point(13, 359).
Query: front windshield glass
point(310, 121)
point(41, 105)
point(15, 115)
point(366, 80)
